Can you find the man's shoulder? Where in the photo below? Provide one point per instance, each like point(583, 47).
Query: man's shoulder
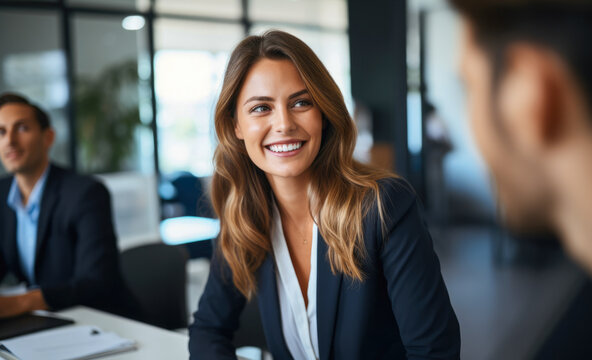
point(70, 176)
point(5, 180)
point(72, 182)
point(5, 183)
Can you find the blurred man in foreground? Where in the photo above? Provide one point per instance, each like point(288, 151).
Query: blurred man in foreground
point(527, 67)
point(56, 232)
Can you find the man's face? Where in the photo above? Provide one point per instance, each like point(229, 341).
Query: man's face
point(520, 183)
point(24, 145)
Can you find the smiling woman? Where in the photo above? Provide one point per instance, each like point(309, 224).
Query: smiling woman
point(277, 121)
point(321, 239)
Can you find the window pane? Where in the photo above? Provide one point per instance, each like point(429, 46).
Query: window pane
point(32, 63)
point(326, 13)
point(141, 5)
point(113, 111)
point(189, 65)
point(230, 9)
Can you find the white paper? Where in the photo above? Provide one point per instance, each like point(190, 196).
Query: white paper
point(72, 342)
point(13, 290)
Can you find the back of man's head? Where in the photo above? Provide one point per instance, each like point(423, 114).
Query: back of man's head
point(40, 115)
point(562, 26)
point(526, 66)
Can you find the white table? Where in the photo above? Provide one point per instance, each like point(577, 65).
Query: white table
point(153, 342)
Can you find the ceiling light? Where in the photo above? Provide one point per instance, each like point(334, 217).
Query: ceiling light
point(133, 22)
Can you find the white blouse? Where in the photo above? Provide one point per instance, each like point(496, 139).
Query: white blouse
point(299, 323)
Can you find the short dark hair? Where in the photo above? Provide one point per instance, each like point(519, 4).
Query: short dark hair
point(562, 26)
point(40, 115)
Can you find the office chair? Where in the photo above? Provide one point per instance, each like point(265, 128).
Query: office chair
point(156, 275)
point(190, 193)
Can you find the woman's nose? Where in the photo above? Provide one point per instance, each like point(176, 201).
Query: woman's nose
point(283, 121)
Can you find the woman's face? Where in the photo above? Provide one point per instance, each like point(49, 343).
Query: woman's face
point(277, 120)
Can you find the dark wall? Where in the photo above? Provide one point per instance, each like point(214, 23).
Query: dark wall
point(377, 35)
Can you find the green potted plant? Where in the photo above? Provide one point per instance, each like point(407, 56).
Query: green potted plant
point(107, 115)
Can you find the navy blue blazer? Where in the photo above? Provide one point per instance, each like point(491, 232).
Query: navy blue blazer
point(400, 311)
point(77, 261)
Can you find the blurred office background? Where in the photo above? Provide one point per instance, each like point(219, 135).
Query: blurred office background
point(131, 87)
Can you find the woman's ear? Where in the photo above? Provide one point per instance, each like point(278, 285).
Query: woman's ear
point(237, 129)
point(238, 132)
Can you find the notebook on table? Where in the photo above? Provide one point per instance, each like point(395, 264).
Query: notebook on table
point(29, 323)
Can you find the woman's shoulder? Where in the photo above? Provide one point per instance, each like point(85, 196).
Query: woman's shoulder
point(396, 191)
point(396, 185)
point(396, 197)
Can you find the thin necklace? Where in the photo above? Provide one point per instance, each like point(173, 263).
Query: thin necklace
point(304, 238)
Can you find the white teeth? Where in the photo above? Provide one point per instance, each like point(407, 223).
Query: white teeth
point(285, 147)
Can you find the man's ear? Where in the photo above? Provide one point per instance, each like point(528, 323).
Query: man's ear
point(48, 137)
point(529, 97)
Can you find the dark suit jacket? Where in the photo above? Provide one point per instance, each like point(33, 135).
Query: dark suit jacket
point(401, 310)
point(76, 255)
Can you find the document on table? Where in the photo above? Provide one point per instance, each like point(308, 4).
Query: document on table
point(72, 342)
point(13, 290)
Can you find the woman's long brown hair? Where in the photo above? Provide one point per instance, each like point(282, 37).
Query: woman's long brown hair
point(341, 190)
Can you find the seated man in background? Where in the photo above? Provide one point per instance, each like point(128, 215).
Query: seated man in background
point(56, 231)
point(527, 67)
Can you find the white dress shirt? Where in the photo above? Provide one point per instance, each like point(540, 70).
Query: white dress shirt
point(299, 323)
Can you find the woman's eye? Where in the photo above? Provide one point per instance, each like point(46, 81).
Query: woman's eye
point(259, 109)
point(302, 103)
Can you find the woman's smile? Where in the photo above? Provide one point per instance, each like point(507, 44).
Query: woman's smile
point(286, 148)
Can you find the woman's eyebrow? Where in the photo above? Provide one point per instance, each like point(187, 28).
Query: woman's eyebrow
point(298, 93)
point(269, 98)
point(258, 98)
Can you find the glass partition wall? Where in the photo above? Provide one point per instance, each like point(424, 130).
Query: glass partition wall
point(33, 62)
point(131, 85)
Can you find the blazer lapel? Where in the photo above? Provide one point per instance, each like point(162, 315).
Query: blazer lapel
point(328, 288)
point(10, 241)
point(48, 202)
point(269, 307)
